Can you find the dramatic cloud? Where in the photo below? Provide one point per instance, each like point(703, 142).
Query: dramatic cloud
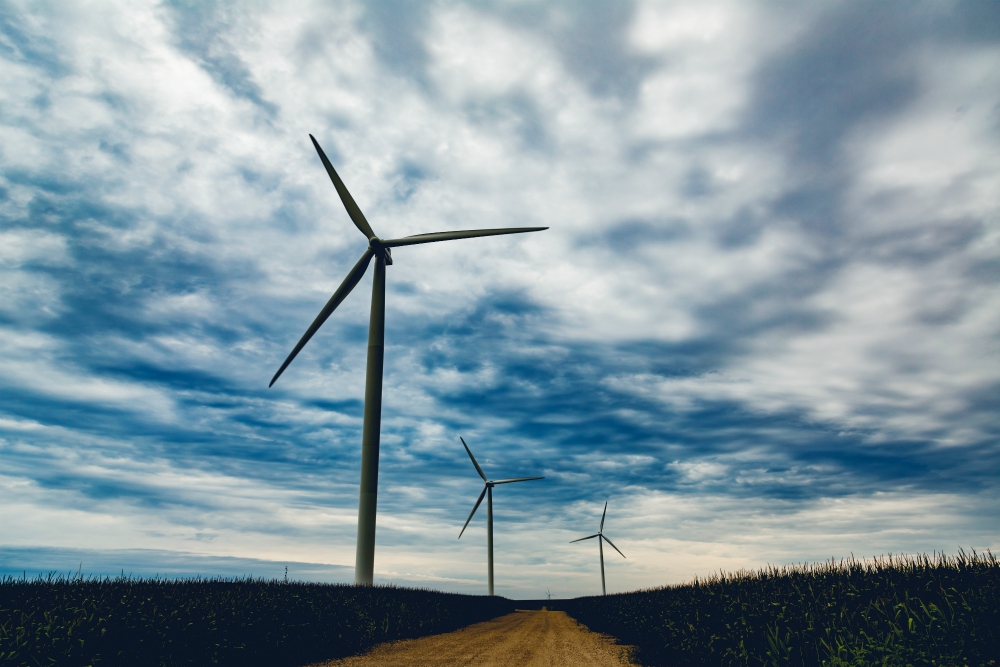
point(763, 323)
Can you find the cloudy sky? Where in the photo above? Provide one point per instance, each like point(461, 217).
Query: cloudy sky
point(763, 324)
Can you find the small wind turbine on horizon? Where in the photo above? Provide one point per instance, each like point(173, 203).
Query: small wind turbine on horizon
point(488, 492)
point(600, 536)
point(379, 249)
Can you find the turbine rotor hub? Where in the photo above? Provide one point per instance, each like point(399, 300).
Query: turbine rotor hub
point(375, 243)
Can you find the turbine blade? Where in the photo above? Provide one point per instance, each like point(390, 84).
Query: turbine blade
point(589, 537)
point(478, 503)
point(601, 529)
point(352, 209)
point(517, 479)
point(613, 545)
point(478, 469)
point(463, 234)
point(350, 282)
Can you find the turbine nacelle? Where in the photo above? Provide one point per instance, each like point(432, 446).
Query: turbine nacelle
point(378, 247)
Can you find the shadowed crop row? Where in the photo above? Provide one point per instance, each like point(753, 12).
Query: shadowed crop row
point(894, 611)
point(78, 622)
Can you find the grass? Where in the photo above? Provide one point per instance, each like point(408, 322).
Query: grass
point(75, 622)
point(936, 611)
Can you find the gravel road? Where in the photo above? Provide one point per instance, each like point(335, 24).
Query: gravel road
point(521, 639)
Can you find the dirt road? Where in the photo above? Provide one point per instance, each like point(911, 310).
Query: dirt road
point(521, 639)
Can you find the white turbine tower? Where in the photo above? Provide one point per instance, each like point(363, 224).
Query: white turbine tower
point(488, 491)
point(600, 539)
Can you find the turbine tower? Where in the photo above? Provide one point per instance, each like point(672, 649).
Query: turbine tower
point(379, 250)
point(488, 491)
point(600, 537)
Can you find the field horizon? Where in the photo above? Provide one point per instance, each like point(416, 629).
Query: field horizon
point(178, 570)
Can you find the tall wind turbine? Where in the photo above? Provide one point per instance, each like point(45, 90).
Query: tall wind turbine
point(488, 491)
point(600, 539)
point(379, 249)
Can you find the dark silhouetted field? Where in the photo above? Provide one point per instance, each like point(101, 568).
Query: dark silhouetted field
point(920, 611)
point(72, 622)
point(942, 611)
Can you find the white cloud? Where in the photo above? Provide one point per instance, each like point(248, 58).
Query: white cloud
point(668, 226)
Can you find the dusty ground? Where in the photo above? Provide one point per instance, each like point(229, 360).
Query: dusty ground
point(524, 638)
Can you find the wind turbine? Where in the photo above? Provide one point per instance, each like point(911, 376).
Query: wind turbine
point(378, 249)
point(488, 491)
point(600, 536)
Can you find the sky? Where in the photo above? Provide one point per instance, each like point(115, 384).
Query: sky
point(762, 326)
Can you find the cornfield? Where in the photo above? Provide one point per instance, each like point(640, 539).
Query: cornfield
point(936, 611)
point(940, 611)
point(76, 622)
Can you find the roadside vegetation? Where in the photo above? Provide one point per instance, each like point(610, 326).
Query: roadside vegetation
point(75, 622)
point(936, 611)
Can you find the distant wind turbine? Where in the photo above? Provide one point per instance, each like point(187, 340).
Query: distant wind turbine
point(379, 249)
point(600, 536)
point(488, 491)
